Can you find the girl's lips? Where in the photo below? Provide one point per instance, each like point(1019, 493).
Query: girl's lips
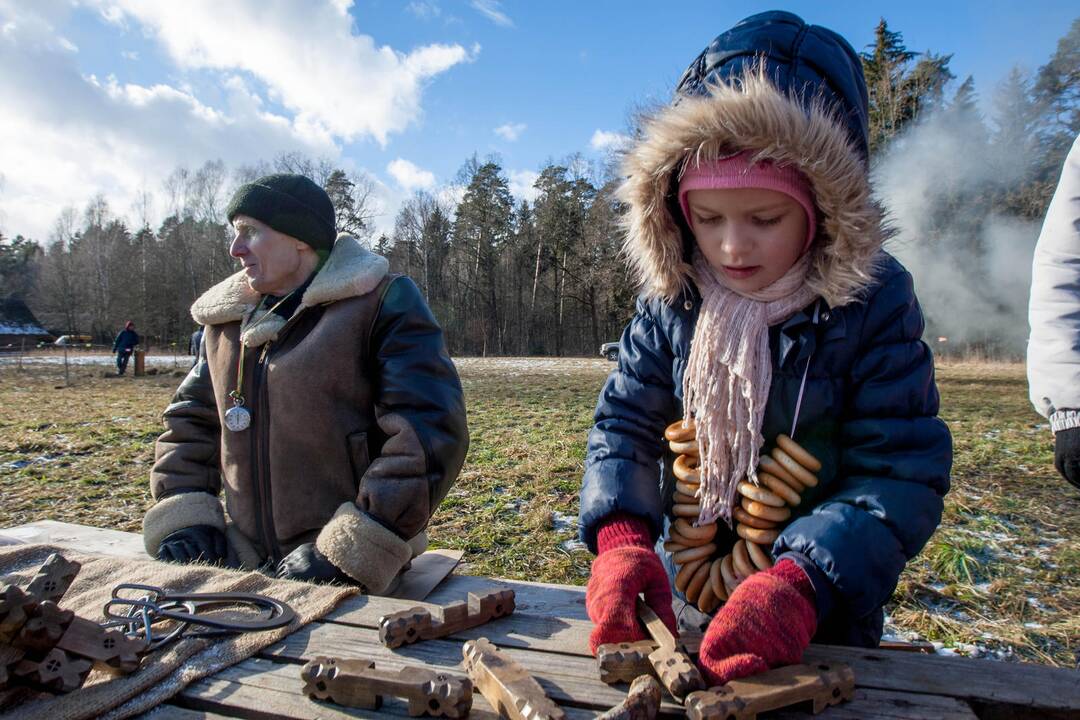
point(740, 273)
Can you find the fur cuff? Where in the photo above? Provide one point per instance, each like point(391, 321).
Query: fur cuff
point(241, 549)
point(177, 512)
point(364, 549)
point(418, 543)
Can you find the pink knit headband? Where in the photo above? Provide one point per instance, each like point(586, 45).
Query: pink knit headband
point(738, 171)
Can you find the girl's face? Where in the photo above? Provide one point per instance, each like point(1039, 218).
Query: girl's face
point(751, 236)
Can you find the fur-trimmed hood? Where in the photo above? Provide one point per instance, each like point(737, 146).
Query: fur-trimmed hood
point(350, 271)
point(751, 114)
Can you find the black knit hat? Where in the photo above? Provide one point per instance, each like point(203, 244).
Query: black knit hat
point(291, 204)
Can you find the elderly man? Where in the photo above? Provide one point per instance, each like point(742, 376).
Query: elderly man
point(323, 403)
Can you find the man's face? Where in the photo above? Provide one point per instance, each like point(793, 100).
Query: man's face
point(272, 260)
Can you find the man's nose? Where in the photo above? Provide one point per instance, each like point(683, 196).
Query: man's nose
point(237, 248)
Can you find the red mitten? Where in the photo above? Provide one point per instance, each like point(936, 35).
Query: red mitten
point(625, 566)
point(767, 622)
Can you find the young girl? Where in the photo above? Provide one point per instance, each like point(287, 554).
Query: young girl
point(769, 309)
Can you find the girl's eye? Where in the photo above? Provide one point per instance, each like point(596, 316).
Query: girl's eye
point(765, 222)
point(710, 220)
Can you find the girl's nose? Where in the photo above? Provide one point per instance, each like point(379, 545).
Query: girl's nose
point(737, 240)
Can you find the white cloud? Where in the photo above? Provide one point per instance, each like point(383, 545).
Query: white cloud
point(424, 9)
point(604, 141)
point(129, 54)
point(332, 79)
point(510, 131)
point(409, 176)
point(490, 10)
point(76, 136)
point(521, 184)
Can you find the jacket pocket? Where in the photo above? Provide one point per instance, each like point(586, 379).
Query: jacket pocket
point(359, 456)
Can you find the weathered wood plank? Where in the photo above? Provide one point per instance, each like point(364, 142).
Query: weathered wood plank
point(887, 705)
point(1017, 684)
point(173, 712)
point(80, 537)
point(567, 679)
point(260, 690)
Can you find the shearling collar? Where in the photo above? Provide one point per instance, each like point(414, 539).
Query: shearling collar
point(350, 271)
point(751, 115)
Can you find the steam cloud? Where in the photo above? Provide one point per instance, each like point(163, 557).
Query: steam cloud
point(971, 264)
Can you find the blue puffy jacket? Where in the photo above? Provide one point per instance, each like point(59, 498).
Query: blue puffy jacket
point(869, 409)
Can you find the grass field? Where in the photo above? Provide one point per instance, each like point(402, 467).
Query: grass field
point(1001, 577)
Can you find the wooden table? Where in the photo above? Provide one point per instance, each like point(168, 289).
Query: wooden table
point(548, 634)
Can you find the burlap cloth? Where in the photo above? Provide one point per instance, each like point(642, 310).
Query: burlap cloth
point(168, 670)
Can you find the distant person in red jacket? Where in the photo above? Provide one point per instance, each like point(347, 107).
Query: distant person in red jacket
point(124, 345)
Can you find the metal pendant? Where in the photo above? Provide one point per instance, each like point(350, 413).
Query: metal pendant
point(237, 418)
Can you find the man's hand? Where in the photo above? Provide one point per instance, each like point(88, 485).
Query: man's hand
point(199, 543)
point(307, 563)
point(767, 622)
point(1067, 455)
point(625, 566)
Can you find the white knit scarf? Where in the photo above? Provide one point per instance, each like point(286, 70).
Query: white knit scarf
point(727, 379)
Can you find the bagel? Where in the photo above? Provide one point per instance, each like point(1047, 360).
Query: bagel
point(728, 572)
point(686, 542)
point(707, 600)
point(798, 453)
point(781, 488)
point(741, 516)
point(700, 579)
point(762, 537)
point(716, 580)
point(760, 494)
point(685, 469)
point(687, 488)
point(685, 573)
point(740, 560)
point(690, 447)
point(767, 463)
point(686, 510)
point(673, 547)
point(684, 528)
point(695, 553)
point(794, 469)
point(680, 430)
point(681, 497)
point(759, 556)
point(766, 512)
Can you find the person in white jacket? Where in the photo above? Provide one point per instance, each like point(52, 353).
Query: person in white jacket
point(1053, 357)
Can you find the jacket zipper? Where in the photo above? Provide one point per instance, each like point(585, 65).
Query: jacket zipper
point(260, 453)
point(260, 481)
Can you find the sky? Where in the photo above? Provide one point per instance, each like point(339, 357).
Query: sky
point(109, 96)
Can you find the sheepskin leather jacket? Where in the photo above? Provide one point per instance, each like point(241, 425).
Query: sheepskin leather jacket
point(358, 422)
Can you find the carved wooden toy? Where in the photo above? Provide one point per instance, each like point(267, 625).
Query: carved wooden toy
point(56, 671)
point(708, 581)
point(359, 684)
point(507, 685)
point(415, 624)
point(821, 685)
point(622, 662)
point(49, 647)
point(53, 578)
point(675, 669)
point(641, 703)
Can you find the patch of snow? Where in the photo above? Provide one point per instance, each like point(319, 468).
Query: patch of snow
point(561, 522)
point(572, 545)
point(180, 361)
